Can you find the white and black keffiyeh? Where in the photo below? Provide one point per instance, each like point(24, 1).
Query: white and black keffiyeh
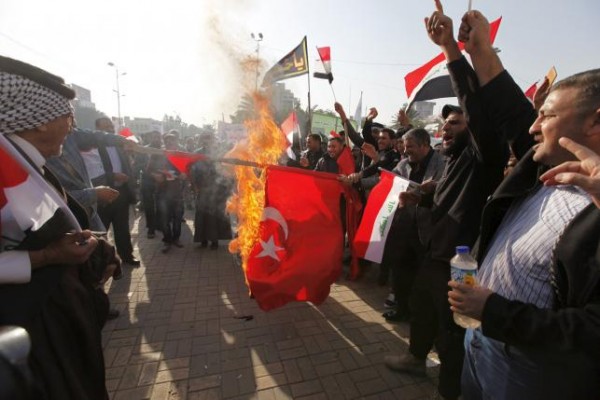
point(25, 104)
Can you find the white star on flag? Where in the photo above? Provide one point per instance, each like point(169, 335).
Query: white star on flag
point(269, 249)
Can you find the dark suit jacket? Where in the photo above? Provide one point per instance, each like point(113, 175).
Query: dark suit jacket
point(568, 336)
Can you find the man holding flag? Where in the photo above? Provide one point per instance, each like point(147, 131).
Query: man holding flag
point(47, 283)
point(474, 167)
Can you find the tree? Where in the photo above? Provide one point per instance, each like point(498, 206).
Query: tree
point(245, 110)
point(413, 117)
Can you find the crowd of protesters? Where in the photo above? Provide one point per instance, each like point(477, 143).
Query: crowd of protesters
point(515, 181)
point(492, 187)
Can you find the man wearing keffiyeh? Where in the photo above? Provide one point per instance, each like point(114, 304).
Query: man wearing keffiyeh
point(47, 283)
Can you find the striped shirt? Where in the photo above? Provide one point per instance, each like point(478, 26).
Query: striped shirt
point(518, 263)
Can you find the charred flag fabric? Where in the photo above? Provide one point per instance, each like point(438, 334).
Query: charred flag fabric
point(298, 254)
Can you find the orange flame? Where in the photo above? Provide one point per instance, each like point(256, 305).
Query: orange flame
point(266, 143)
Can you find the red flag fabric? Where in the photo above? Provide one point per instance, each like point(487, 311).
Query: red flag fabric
point(354, 205)
point(379, 211)
point(298, 254)
point(345, 162)
point(126, 133)
point(432, 78)
point(182, 160)
point(529, 93)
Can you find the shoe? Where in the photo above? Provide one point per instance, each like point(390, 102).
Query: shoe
point(406, 363)
point(150, 235)
point(390, 302)
point(166, 248)
point(132, 261)
point(177, 243)
point(395, 316)
point(214, 245)
point(112, 314)
point(204, 243)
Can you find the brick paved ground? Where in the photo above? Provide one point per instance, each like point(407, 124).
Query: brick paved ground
point(178, 338)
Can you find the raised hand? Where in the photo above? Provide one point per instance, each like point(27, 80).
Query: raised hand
point(584, 173)
point(340, 110)
point(370, 151)
point(403, 118)
point(541, 93)
point(474, 32)
point(439, 27)
point(372, 113)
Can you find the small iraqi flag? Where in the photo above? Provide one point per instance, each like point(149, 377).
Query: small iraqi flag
point(325, 55)
point(431, 80)
point(290, 127)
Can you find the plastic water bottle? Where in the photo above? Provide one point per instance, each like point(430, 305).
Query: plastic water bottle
point(463, 269)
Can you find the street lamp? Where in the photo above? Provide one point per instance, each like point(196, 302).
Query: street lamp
point(257, 40)
point(118, 91)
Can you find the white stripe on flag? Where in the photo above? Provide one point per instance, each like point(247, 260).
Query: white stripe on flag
point(383, 220)
point(36, 179)
point(30, 205)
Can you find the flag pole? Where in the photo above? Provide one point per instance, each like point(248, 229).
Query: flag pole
point(309, 130)
point(470, 5)
point(333, 91)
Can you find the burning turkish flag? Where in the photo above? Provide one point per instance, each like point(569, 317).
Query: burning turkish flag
point(298, 254)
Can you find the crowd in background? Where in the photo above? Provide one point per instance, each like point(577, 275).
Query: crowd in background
point(517, 182)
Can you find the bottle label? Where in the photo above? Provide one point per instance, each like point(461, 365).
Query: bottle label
point(466, 276)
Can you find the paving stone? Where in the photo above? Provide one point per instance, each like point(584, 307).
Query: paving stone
point(178, 339)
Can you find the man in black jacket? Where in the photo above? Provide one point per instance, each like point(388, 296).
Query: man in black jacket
point(539, 299)
point(474, 168)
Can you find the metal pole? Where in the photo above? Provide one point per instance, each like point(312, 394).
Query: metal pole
point(118, 98)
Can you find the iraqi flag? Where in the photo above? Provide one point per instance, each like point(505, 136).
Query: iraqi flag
point(290, 127)
point(325, 55)
point(28, 203)
point(298, 253)
point(369, 241)
point(127, 134)
point(530, 93)
point(432, 81)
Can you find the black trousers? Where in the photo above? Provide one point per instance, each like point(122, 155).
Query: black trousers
point(432, 323)
point(402, 255)
point(117, 215)
point(150, 208)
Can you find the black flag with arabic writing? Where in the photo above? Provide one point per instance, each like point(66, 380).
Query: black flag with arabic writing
point(295, 63)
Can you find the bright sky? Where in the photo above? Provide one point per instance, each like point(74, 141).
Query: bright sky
point(182, 57)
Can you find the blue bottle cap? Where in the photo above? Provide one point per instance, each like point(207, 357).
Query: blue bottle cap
point(462, 249)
